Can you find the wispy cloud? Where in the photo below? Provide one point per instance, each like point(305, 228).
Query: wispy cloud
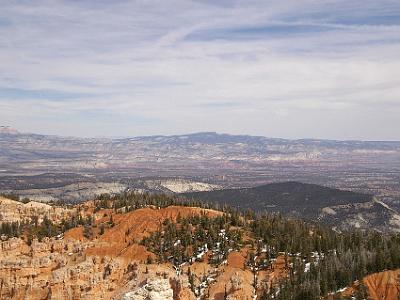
point(279, 68)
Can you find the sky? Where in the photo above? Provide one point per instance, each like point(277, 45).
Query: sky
point(285, 68)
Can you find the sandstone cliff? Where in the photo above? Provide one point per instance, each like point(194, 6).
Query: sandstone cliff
point(14, 211)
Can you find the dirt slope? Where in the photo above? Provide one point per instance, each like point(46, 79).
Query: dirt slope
point(141, 222)
point(384, 285)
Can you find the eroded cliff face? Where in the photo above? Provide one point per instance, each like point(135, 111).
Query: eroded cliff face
point(153, 290)
point(380, 286)
point(103, 266)
point(14, 211)
point(39, 270)
point(112, 264)
point(383, 285)
point(61, 269)
point(105, 260)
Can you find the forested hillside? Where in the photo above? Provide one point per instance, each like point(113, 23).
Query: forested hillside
point(203, 252)
point(339, 208)
point(294, 198)
point(318, 260)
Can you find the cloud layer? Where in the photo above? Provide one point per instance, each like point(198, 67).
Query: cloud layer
point(294, 69)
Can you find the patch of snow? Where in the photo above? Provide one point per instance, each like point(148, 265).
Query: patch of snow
point(307, 267)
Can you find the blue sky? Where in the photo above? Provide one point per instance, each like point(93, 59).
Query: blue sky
point(292, 69)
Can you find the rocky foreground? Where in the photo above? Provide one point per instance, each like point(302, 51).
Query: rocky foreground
point(108, 266)
point(108, 261)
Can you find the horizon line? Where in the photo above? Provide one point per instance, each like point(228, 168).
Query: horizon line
point(197, 133)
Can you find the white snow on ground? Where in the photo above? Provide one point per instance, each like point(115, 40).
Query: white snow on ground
point(307, 267)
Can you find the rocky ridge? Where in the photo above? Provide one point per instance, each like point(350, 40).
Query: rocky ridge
point(152, 290)
point(106, 266)
point(15, 211)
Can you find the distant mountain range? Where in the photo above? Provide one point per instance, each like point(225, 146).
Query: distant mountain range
point(206, 147)
point(341, 209)
point(29, 161)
